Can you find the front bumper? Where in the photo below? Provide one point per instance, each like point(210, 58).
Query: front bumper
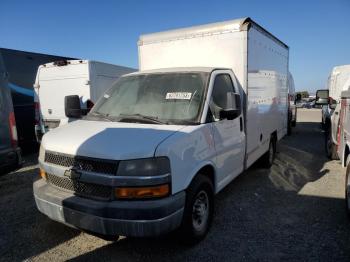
point(130, 218)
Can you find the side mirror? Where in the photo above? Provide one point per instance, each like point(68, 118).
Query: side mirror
point(233, 107)
point(297, 99)
point(72, 106)
point(322, 97)
point(229, 114)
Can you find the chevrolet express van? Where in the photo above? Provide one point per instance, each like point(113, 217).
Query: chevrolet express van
point(207, 103)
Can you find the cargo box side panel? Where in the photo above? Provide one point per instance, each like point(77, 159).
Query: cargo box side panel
point(267, 107)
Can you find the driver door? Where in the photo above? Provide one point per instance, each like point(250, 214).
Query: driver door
point(229, 136)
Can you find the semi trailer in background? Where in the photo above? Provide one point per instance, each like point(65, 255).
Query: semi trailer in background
point(10, 154)
point(207, 103)
point(87, 80)
point(22, 67)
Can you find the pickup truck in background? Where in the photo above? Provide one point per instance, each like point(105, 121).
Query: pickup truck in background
point(207, 103)
point(88, 80)
point(330, 100)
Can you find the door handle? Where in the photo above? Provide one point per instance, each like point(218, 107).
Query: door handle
point(241, 124)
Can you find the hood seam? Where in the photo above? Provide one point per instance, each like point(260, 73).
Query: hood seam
point(155, 150)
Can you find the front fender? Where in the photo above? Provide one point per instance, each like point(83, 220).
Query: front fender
point(189, 149)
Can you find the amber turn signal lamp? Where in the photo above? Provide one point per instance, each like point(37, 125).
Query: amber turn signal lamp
point(142, 192)
point(42, 173)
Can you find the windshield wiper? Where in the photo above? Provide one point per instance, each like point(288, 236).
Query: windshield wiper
point(152, 119)
point(100, 115)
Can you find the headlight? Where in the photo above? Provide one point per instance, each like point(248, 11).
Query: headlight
point(42, 154)
point(144, 167)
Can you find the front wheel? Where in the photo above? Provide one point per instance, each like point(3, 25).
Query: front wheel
point(199, 209)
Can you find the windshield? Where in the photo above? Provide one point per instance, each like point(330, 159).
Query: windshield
point(171, 98)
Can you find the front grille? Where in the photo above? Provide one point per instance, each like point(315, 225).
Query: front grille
point(81, 188)
point(82, 163)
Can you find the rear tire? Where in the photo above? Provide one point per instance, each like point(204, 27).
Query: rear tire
point(199, 210)
point(269, 156)
point(331, 149)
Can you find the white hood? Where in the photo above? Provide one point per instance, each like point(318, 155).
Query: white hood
point(108, 140)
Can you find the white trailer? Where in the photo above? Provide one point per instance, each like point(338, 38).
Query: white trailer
point(155, 149)
point(56, 80)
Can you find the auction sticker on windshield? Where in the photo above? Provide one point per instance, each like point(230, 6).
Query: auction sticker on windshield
point(179, 95)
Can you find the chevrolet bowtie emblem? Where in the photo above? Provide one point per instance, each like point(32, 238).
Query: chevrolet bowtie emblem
point(72, 174)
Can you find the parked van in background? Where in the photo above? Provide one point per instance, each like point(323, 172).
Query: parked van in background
point(330, 99)
point(10, 155)
point(208, 102)
point(54, 81)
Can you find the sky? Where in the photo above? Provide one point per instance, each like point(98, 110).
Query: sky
point(317, 32)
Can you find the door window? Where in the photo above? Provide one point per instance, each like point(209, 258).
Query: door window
point(222, 85)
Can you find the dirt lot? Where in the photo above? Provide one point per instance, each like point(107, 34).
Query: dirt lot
point(295, 211)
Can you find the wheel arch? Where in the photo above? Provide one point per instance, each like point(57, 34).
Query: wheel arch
point(208, 169)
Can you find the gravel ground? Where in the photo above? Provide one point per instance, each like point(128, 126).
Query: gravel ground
point(295, 211)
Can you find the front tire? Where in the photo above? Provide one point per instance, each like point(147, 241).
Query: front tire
point(199, 210)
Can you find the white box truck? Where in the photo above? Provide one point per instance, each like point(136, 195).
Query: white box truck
point(207, 103)
point(330, 100)
point(54, 81)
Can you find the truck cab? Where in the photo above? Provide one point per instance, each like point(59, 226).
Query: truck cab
point(182, 121)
